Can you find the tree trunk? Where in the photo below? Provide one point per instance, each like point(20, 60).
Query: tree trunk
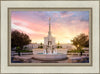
point(19, 53)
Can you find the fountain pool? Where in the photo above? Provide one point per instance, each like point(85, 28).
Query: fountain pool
point(50, 57)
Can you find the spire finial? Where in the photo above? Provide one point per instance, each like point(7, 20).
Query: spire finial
point(49, 33)
point(49, 24)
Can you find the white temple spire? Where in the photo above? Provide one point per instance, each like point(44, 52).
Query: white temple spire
point(49, 26)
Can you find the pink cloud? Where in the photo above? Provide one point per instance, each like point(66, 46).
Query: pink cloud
point(38, 29)
point(66, 15)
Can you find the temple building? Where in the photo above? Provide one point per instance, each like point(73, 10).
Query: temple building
point(49, 40)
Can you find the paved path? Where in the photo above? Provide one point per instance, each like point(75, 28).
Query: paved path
point(30, 59)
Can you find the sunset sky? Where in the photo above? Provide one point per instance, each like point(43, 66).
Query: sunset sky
point(65, 25)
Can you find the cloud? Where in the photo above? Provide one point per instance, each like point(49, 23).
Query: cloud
point(23, 29)
point(64, 24)
point(26, 30)
point(66, 14)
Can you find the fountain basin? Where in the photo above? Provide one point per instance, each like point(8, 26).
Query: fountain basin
point(49, 57)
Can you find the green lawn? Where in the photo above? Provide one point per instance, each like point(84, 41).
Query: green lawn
point(76, 51)
point(23, 51)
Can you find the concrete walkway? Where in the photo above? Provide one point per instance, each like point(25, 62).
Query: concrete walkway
point(30, 59)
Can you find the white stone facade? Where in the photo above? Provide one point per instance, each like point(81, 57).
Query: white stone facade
point(46, 39)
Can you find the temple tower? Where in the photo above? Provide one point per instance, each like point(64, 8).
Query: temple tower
point(49, 41)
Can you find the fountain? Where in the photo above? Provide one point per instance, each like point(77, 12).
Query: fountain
point(50, 51)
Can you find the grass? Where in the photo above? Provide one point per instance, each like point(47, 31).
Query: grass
point(76, 51)
point(23, 51)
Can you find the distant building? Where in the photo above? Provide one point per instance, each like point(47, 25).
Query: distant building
point(63, 46)
point(67, 46)
point(31, 46)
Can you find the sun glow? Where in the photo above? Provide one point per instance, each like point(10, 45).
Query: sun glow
point(69, 41)
point(65, 25)
point(60, 41)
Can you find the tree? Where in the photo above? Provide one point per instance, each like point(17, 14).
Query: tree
point(41, 46)
point(81, 41)
point(58, 45)
point(19, 39)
